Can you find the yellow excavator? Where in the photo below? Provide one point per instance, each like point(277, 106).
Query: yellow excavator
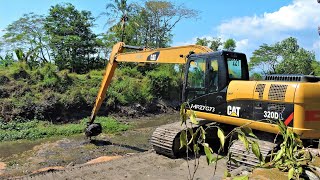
point(217, 88)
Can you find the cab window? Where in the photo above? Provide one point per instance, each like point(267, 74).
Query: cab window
point(213, 76)
point(196, 74)
point(234, 68)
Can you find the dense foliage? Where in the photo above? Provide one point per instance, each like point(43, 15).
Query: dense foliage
point(41, 54)
point(216, 43)
point(70, 38)
point(284, 57)
point(149, 24)
point(50, 64)
point(48, 94)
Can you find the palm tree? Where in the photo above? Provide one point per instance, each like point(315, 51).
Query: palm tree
point(117, 12)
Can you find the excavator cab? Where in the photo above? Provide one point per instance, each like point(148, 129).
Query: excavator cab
point(207, 77)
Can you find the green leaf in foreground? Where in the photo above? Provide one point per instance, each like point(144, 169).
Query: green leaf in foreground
point(221, 137)
point(256, 150)
point(183, 139)
point(290, 173)
point(244, 140)
point(209, 153)
point(193, 118)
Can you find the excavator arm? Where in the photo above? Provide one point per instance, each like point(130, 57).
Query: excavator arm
point(173, 55)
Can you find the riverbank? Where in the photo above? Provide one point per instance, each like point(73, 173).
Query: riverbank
point(27, 156)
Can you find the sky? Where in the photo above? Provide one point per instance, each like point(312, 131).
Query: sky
point(249, 22)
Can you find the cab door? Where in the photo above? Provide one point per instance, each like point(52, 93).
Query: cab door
point(202, 89)
point(207, 78)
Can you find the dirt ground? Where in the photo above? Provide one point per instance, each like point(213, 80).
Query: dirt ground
point(147, 165)
point(126, 155)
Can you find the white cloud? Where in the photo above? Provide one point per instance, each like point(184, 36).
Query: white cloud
point(299, 15)
point(300, 19)
point(242, 45)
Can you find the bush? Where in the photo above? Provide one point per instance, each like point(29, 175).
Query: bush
point(4, 79)
point(20, 73)
point(126, 90)
point(58, 96)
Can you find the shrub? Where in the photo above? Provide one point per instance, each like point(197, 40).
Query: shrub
point(59, 95)
point(160, 83)
point(20, 73)
point(4, 79)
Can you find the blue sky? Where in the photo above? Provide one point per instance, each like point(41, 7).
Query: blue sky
point(249, 22)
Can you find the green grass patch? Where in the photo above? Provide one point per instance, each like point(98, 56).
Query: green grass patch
point(42, 129)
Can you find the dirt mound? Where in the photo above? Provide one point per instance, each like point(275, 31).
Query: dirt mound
point(48, 169)
point(102, 159)
point(2, 167)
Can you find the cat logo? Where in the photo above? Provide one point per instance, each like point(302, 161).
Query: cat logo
point(153, 57)
point(233, 111)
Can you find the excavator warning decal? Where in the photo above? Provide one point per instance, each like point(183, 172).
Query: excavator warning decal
point(288, 120)
point(153, 56)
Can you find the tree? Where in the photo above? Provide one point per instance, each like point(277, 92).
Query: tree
point(7, 60)
point(316, 67)
point(163, 16)
point(27, 35)
point(265, 59)
point(150, 25)
point(202, 41)
point(213, 44)
point(118, 15)
point(229, 45)
point(285, 57)
point(72, 42)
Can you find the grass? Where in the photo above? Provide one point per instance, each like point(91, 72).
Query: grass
point(42, 129)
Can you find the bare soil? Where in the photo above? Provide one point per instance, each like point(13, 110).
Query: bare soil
point(127, 155)
point(147, 165)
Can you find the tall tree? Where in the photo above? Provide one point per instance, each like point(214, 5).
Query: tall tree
point(27, 35)
point(213, 44)
point(202, 41)
point(163, 16)
point(151, 24)
point(285, 57)
point(229, 45)
point(118, 13)
point(72, 41)
point(265, 59)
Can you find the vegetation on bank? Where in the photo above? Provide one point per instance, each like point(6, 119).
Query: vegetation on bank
point(43, 129)
point(59, 96)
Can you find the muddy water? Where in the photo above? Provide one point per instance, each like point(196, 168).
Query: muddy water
point(10, 148)
point(25, 156)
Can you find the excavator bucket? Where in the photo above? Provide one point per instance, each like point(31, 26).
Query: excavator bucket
point(93, 129)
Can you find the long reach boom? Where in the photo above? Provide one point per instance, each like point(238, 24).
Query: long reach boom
point(173, 55)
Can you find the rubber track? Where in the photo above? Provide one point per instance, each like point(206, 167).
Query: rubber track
point(165, 139)
point(241, 157)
